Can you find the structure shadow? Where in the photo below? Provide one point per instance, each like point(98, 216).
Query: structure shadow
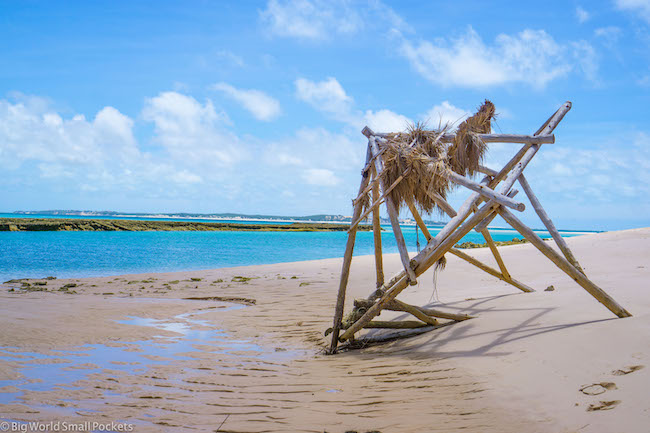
point(436, 343)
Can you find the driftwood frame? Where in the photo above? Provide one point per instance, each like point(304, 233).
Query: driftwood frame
point(489, 198)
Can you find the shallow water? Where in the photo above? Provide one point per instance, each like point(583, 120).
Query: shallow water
point(91, 254)
point(60, 369)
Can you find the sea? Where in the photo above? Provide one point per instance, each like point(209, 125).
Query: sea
point(78, 254)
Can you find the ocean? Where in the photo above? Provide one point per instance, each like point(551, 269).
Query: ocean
point(92, 254)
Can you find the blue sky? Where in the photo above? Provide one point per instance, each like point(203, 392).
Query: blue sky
point(257, 107)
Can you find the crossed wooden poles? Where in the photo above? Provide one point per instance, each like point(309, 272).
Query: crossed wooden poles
point(491, 197)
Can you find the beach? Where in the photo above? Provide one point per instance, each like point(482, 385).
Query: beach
point(241, 349)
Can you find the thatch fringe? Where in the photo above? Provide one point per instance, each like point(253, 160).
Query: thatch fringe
point(414, 150)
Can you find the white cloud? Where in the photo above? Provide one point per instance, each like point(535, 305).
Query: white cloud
point(609, 35)
point(386, 121)
point(320, 177)
point(317, 147)
point(444, 114)
point(259, 104)
point(327, 96)
point(192, 131)
point(639, 7)
point(310, 19)
point(582, 15)
point(230, 58)
point(323, 19)
point(531, 57)
point(33, 131)
point(96, 155)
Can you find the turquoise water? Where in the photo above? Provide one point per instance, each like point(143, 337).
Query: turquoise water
point(90, 254)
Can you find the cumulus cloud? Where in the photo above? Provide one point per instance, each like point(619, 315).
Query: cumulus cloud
point(191, 131)
point(31, 130)
point(639, 7)
point(386, 121)
point(259, 104)
point(327, 96)
point(531, 57)
point(582, 15)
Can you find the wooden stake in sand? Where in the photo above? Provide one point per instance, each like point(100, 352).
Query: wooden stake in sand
point(416, 169)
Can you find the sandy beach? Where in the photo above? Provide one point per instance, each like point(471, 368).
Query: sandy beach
point(246, 355)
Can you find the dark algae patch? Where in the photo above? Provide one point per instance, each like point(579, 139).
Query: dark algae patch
point(56, 224)
point(514, 241)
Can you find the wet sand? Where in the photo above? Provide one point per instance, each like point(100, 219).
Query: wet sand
point(131, 348)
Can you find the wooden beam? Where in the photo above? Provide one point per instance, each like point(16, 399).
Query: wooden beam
point(396, 305)
point(495, 253)
point(405, 324)
point(347, 260)
point(485, 191)
point(442, 203)
point(415, 312)
point(486, 138)
point(418, 219)
point(564, 265)
point(376, 231)
point(521, 286)
point(393, 216)
point(557, 237)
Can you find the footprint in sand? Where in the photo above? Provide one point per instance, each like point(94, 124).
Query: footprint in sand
point(603, 405)
point(627, 370)
point(598, 388)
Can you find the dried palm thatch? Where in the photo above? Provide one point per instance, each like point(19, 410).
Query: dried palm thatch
point(420, 156)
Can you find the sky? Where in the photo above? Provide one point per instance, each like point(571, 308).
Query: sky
point(257, 106)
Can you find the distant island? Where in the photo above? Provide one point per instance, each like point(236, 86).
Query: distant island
point(320, 218)
point(82, 224)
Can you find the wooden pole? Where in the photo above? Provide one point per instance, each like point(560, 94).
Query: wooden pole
point(406, 324)
point(495, 253)
point(415, 312)
point(442, 203)
point(376, 230)
point(347, 260)
point(557, 237)
point(418, 219)
point(396, 305)
point(521, 286)
point(564, 264)
point(392, 215)
point(485, 191)
point(491, 138)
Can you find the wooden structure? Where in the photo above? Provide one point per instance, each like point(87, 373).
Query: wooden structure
point(493, 196)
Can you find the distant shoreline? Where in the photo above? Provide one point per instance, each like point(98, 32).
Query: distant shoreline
point(80, 224)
